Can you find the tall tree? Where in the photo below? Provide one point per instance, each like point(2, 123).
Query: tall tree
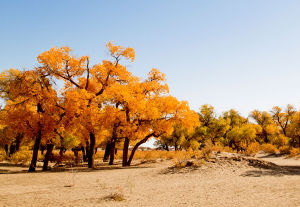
point(283, 118)
point(30, 106)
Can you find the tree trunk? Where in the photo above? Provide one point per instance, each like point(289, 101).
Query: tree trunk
point(167, 147)
point(213, 141)
point(107, 152)
point(112, 152)
point(47, 156)
point(125, 152)
point(266, 140)
point(91, 163)
point(42, 149)
point(77, 159)
point(87, 150)
point(136, 147)
point(176, 147)
point(12, 148)
point(35, 152)
point(61, 152)
point(284, 131)
point(83, 154)
point(6, 148)
point(18, 141)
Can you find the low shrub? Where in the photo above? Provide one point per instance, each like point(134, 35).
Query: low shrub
point(268, 148)
point(294, 152)
point(207, 150)
point(3, 156)
point(23, 157)
point(252, 149)
point(285, 150)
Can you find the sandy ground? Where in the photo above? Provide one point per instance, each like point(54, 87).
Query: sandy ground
point(221, 182)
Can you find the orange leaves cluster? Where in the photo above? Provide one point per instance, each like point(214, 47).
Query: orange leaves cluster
point(117, 51)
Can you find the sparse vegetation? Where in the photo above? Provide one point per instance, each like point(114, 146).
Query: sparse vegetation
point(117, 196)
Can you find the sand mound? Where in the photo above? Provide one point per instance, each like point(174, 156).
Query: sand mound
point(221, 161)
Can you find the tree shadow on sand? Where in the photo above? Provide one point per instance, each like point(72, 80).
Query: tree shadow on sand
point(17, 168)
point(265, 168)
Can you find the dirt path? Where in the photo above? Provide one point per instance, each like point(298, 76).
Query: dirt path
point(223, 182)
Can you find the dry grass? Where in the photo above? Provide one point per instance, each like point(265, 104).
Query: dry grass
point(178, 157)
point(117, 196)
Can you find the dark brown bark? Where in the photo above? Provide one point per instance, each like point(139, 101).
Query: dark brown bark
point(125, 152)
point(18, 141)
point(112, 152)
point(42, 149)
point(91, 163)
point(35, 152)
point(76, 155)
point(15, 145)
point(6, 149)
point(266, 140)
point(12, 148)
point(87, 150)
point(48, 156)
point(83, 154)
point(107, 152)
point(61, 152)
point(136, 147)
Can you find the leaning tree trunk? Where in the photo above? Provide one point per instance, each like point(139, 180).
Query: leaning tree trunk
point(47, 156)
point(136, 147)
point(35, 152)
point(125, 152)
point(91, 163)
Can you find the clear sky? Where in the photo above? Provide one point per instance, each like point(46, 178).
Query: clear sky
point(230, 54)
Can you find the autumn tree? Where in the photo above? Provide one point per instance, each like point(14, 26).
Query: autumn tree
point(147, 110)
point(212, 128)
point(30, 106)
point(283, 118)
point(85, 86)
point(241, 136)
point(293, 130)
point(265, 121)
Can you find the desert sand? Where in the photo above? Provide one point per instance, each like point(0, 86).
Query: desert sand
point(226, 180)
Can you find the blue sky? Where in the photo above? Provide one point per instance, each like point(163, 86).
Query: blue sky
point(231, 54)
